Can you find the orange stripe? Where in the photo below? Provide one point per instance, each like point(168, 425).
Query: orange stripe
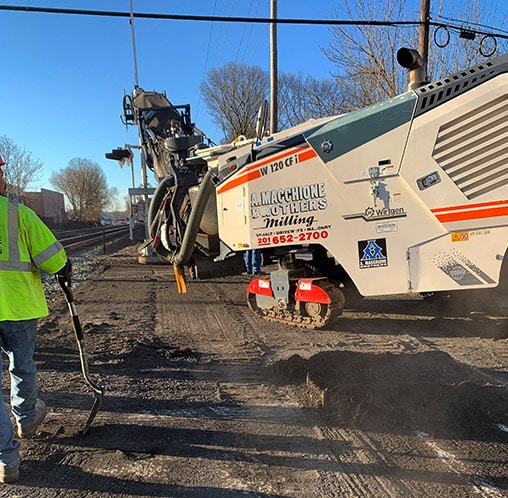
point(308, 154)
point(472, 215)
point(252, 171)
point(276, 158)
point(469, 206)
point(252, 175)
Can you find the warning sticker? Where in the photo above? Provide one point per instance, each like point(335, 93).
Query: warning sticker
point(460, 236)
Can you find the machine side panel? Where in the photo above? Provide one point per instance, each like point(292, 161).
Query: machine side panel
point(294, 199)
point(459, 260)
point(457, 154)
point(342, 137)
point(456, 161)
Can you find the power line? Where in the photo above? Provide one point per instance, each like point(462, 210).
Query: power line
point(258, 39)
point(205, 67)
point(192, 17)
point(244, 32)
point(469, 23)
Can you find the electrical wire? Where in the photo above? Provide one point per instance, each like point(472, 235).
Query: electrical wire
point(205, 67)
point(191, 17)
point(483, 26)
point(244, 29)
point(262, 35)
point(223, 32)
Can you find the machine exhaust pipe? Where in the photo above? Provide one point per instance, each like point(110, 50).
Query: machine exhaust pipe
point(412, 60)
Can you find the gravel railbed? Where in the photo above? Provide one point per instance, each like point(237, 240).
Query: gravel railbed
point(85, 262)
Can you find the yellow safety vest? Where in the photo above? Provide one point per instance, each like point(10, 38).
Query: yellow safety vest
point(27, 246)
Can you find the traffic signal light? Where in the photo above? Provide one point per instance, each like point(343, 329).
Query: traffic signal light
point(120, 154)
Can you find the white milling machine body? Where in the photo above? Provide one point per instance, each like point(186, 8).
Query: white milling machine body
point(406, 196)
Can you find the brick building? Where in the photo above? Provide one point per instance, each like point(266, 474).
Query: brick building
point(49, 205)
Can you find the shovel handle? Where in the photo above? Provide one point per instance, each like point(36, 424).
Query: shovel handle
point(65, 285)
point(98, 388)
point(79, 335)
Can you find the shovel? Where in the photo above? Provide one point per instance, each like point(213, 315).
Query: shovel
point(97, 388)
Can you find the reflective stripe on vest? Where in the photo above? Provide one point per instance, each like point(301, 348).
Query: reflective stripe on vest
point(49, 252)
point(14, 263)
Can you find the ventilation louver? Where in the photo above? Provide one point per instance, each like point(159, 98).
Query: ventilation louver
point(472, 149)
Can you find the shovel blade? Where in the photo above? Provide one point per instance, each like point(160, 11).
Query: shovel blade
point(93, 412)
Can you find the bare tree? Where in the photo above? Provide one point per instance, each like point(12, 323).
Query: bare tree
point(233, 94)
point(84, 184)
point(22, 170)
point(365, 55)
point(305, 97)
point(114, 199)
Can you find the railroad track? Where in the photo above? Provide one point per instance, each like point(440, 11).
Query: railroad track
point(81, 238)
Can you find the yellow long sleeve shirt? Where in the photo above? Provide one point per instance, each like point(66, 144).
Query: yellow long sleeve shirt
point(27, 246)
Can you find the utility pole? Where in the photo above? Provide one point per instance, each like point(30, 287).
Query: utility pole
point(273, 68)
point(423, 35)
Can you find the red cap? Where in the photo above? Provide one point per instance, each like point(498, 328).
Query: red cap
point(2, 162)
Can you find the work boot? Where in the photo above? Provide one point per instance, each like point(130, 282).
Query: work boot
point(40, 414)
point(9, 473)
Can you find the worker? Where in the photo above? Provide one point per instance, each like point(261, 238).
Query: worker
point(27, 246)
point(252, 259)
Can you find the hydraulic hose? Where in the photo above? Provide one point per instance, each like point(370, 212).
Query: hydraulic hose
point(156, 202)
point(191, 233)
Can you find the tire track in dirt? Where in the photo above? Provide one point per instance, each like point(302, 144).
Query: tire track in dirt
point(360, 473)
point(206, 400)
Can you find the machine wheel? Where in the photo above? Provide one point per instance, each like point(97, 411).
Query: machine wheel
point(320, 314)
point(312, 315)
point(315, 309)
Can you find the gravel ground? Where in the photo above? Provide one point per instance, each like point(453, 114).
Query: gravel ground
point(204, 399)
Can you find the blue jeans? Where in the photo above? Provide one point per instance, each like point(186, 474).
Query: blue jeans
point(17, 341)
point(252, 259)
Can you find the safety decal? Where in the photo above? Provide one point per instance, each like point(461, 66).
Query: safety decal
point(460, 236)
point(372, 253)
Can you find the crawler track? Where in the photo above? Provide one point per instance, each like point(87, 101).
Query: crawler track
point(309, 316)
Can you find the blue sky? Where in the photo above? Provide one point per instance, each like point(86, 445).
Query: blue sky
point(64, 76)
